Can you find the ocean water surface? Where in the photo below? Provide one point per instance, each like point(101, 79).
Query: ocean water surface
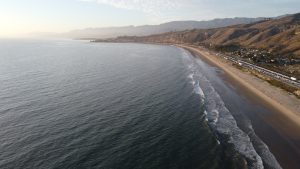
point(75, 104)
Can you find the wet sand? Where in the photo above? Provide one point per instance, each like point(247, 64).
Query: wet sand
point(280, 129)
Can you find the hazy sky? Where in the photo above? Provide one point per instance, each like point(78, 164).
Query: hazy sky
point(18, 17)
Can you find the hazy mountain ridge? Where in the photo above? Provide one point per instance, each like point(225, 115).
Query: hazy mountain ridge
point(281, 36)
point(111, 32)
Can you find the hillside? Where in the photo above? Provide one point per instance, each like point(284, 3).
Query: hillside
point(280, 36)
point(272, 43)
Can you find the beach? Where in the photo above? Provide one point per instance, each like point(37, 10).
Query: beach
point(285, 107)
point(287, 104)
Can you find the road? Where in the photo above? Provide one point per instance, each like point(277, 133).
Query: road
point(270, 73)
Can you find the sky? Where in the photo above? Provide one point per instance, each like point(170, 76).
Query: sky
point(20, 17)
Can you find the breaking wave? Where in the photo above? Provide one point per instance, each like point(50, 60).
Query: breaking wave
point(223, 124)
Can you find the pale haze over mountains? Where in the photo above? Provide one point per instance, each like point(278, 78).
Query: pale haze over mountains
point(111, 32)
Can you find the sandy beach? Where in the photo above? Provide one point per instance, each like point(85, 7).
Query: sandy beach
point(284, 107)
point(287, 115)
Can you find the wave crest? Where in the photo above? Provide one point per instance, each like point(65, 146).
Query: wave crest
point(222, 122)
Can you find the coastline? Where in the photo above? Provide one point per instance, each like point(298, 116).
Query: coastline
point(287, 104)
point(283, 121)
point(281, 118)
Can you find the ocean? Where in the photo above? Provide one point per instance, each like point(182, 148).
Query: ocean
point(76, 104)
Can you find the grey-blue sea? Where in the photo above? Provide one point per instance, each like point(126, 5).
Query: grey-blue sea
point(75, 104)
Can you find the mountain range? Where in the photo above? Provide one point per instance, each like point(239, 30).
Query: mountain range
point(111, 32)
point(280, 36)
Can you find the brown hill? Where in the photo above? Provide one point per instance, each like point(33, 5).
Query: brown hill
point(279, 36)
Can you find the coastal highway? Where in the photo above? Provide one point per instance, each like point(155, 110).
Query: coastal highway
point(270, 73)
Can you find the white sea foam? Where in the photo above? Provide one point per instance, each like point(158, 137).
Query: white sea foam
point(198, 89)
point(191, 76)
point(223, 123)
point(215, 116)
point(220, 119)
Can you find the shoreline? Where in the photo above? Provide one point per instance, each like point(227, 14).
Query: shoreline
point(292, 112)
point(283, 120)
point(284, 117)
